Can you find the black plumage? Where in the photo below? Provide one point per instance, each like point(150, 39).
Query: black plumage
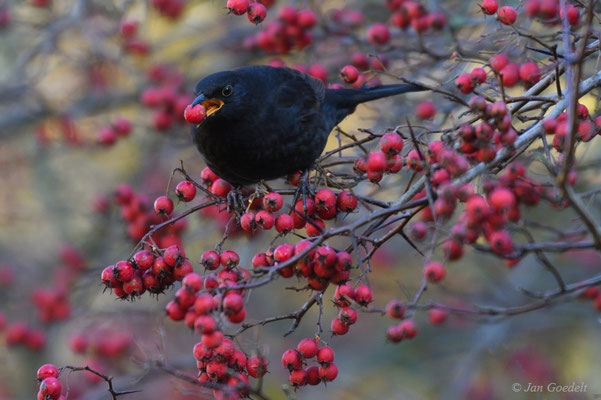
point(265, 122)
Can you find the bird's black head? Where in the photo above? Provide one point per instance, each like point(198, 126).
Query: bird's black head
point(222, 94)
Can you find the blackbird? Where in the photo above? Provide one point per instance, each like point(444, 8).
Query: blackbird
point(264, 122)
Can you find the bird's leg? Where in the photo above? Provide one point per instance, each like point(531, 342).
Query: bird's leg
point(303, 189)
point(235, 201)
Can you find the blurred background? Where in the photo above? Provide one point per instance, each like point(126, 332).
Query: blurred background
point(74, 72)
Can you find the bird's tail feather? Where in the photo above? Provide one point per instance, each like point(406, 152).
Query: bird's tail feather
point(352, 97)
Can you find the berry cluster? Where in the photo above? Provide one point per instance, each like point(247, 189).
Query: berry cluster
point(320, 266)
point(108, 135)
point(362, 296)
point(151, 271)
point(407, 13)
point(132, 43)
point(139, 216)
point(223, 363)
point(50, 385)
point(295, 361)
point(482, 216)
point(586, 129)
point(509, 74)
point(255, 10)
point(105, 342)
point(171, 9)
point(51, 304)
point(310, 214)
point(548, 11)
point(387, 159)
point(19, 333)
point(167, 97)
point(291, 30)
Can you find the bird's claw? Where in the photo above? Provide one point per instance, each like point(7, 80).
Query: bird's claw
point(235, 202)
point(304, 189)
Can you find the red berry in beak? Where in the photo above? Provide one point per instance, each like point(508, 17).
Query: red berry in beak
point(195, 114)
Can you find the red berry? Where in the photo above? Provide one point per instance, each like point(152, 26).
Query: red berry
point(501, 199)
point(233, 303)
point(499, 62)
point(229, 259)
point(378, 34)
point(288, 14)
point(284, 223)
point(532, 8)
point(298, 377)
point(315, 228)
point(256, 366)
point(346, 202)
point(185, 191)
point(489, 7)
point(291, 359)
point(163, 205)
point(328, 372)
point(464, 83)
point(173, 255)
point(207, 176)
point(349, 74)
point(391, 143)
point(237, 7)
point(478, 74)
point(529, 73)
point(122, 127)
point(50, 388)
point(360, 61)
point(408, 329)
point(47, 371)
point(256, 13)
point(507, 15)
point(247, 222)
point(283, 252)
point(376, 162)
point(318, 71)
point(220, 187)
point(195, 114)
point(500, 242)
point(510, 75)
point(434, 271)
point(347, 315)
point(204, 303)
point(306, 19)
point(572, 13)
point(264, 220)
point(210, 260)
point(273, 202)
point(338, 327)
point(123, 271)
point(193, 282)
point(174, 311)
point(363, 295)
point(307, 348)
point(325, 355)
point(260, 260)
point(107, 136)
point(437, 316)
point(425, 110)
point(395, 309)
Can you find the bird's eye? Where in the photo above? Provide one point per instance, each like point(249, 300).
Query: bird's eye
point(227, 90)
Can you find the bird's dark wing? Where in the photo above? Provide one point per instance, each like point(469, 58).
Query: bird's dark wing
point(299, 92)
